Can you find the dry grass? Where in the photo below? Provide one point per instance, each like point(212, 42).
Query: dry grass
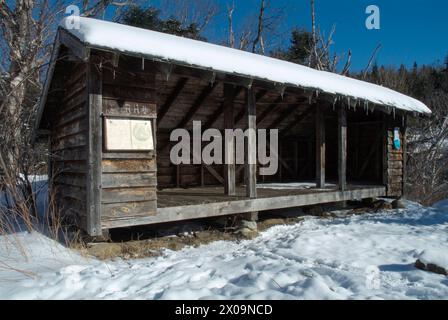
point(154, 246)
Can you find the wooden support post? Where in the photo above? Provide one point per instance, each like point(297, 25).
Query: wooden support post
point(250, 216)
point(320, 147)
point(405, 156)
point(251, 146)
point(229, 123)
point(342, 147)
point(219, 111)
point(258, 97)
point(95, 140)
point(280, 167)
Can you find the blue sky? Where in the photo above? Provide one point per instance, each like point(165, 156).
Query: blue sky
point(412, 30)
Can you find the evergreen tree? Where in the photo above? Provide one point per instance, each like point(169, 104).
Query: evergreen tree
point(149, 18)
point(299, 49)
point(446, 63)
point(375, 74)
point(143, 18)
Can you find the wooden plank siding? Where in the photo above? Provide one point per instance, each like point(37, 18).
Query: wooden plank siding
point(129, 179)
point(68, 148)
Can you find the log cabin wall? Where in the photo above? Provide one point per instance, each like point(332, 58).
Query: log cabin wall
point(68, 144)
point(394, 159)
point(129, 179)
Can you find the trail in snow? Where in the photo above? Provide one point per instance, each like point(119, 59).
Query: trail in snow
point(358, 257)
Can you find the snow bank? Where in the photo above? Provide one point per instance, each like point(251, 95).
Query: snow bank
point(359, 257)
point(434, 257)
point(108, 35)
point(24, 256)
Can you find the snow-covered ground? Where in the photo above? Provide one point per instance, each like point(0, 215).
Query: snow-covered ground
point(357, 257)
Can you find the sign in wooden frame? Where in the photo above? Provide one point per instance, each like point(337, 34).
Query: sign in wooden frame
point(128, 134)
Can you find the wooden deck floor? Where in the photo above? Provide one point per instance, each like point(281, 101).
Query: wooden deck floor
point(194, 203)
point(213, 194)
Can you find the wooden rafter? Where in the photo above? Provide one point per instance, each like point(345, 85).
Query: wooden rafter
point(171, 98)
point(298, 119)
point(271, 108)
point(197, 104)
point(285, 114)
point(214, 173)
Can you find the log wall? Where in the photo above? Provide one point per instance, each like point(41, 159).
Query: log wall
point(394, 160)
point(129, 179)
point(68, 145)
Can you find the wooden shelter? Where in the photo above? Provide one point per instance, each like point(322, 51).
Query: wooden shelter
point(96, 86)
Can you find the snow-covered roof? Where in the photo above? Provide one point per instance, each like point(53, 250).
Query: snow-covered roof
point(113, 36)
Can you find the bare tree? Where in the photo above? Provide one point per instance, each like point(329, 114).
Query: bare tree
point(260, 28)
point(230, 11)
point(27, 29)
point(428, 154)
point(199, 13)
point(259, 31)
point(313, 60)
point(369, 64)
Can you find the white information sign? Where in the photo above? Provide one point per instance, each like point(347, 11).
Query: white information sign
point(128, 135)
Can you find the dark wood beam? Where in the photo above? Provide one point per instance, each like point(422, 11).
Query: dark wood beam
point(320, 147)
point(197, 104)
point(260, 94)
point(214, 173)
point(196, 211)
point(94, 147)
point(220, 110)
point(297, 120)
point(74, 45)
point(285, 114)
point(171, 98)
point(342, 148)
point(271, 108)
